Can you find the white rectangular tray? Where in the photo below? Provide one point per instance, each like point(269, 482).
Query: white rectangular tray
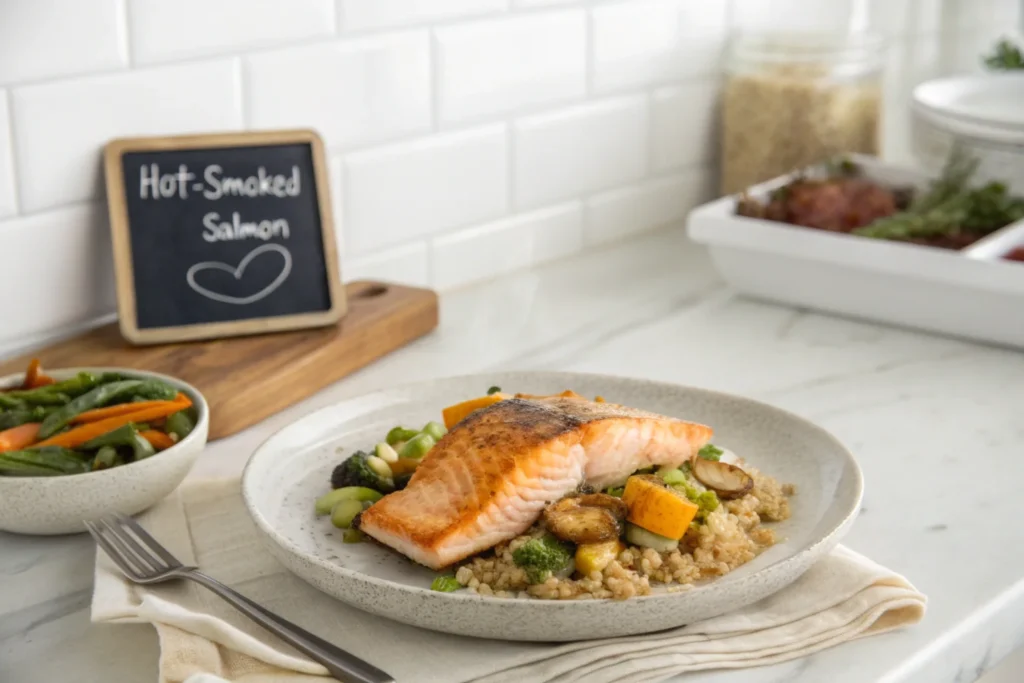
point(970, 293)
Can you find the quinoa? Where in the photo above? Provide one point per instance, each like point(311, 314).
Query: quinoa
point(731, 536)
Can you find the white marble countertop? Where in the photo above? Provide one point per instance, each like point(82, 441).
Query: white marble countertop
point(936, 424)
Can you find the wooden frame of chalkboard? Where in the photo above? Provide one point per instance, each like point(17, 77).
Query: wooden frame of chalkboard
point(333, 305)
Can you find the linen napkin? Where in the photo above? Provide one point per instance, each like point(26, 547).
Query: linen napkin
point(203, 640)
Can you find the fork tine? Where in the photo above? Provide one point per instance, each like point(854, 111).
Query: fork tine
point(112, 552)
point(130, 548)
point(149, 541)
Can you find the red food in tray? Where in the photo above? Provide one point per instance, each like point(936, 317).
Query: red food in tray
point(1016, 254)
point(949, 214)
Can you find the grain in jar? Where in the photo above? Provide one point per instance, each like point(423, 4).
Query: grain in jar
point(792, 100)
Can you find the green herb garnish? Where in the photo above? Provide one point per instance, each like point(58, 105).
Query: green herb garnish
point(710, 452)
point(445, 584)
point(1005, 57)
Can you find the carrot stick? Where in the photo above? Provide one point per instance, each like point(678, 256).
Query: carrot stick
point(157, 440)
point(87, 432)
point(31, 374)
point(126, 408)
point(16, 438)
point(34, 377)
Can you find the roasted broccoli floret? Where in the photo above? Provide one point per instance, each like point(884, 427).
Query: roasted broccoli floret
point(362, 469)
point(544, 557)
point(402, 480)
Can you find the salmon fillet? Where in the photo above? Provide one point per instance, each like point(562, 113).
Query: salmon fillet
point(491, 476)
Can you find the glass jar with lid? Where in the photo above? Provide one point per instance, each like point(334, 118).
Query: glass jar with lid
point(796, 99)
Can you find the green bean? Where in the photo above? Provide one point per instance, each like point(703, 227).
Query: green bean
point(20, 416)
point(8, 402)
point(344, 512)
point(126, 435)
point(155, 390)
point(417, 446)
point(98, 397)
point(106, 457)
point(16, 468)
point(76, 386)
point(36, 397)
point(179, 424)
point(59, 460)
point(325, 503)
point(436, 430)
point(399, 435)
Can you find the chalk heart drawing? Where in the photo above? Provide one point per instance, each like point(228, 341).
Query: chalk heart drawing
point(238, 273)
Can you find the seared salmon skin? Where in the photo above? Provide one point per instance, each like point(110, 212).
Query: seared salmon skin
point(491, 476)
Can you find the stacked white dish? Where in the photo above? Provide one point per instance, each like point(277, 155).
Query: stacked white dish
point(984, 113)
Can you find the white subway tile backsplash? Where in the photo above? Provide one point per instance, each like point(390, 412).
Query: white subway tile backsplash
point(510, 244)
point(684, 122)
point(579, 150)
point(47, 38)
point(480, 254)
point(623, 212)
point(406, 191)
point(909, 17)
point(557, 231)
point(796, 15)
point(653, 41)
point(162, 30)
point(8, 198)
point(1002, 17)
point(363, 14)
point(75, 243)
point(907, 65)
point(603, 99)
point(60, 128)
point(352, 92)
point(335, 169)
point(406, 265)
point(494, 66)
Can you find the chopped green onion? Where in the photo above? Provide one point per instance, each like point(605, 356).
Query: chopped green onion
point(445, 584)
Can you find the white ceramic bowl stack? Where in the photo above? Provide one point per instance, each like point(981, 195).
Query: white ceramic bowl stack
point(59, 505)
point(983, 113)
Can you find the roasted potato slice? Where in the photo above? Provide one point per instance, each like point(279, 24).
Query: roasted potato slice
point(728, 481)
point(570, 521)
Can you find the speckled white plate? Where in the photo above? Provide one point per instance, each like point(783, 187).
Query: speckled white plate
point(292, 468)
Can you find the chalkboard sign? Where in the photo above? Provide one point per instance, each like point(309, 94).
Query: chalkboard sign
point(221, 235)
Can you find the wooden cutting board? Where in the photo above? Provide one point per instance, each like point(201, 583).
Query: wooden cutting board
point(246, 379)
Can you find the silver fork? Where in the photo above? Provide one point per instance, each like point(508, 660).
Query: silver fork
point(144, 560)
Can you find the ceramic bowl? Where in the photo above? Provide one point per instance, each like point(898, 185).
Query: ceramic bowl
point(59, 505)
point(290, 470)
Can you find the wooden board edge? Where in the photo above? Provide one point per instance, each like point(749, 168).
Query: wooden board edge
point(124, 275)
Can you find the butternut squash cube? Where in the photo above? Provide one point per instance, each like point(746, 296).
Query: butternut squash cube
point(458, 412)
point(658, 508)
